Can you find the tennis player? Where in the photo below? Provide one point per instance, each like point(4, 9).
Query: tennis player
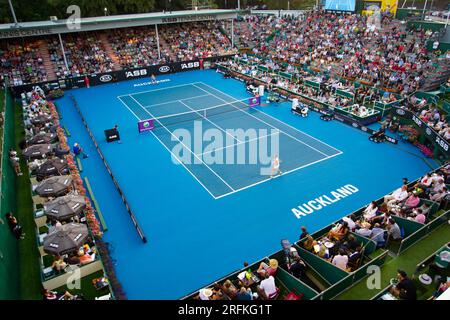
point(153, 79)
point(276, 166)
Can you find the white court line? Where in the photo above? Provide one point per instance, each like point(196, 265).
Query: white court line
point(217, 175)
point(237, 144)
point(234, 190)
point(139, 119)
point(205, 118)
point(284, 173)
point(269, 116)
point(198, 110)
point(159, 89)
point(172, 101)
point(260, 120)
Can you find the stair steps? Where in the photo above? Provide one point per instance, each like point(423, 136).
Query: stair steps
point(47, 62)
point(110, 51)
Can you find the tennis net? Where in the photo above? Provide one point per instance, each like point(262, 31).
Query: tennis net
point(172, 119)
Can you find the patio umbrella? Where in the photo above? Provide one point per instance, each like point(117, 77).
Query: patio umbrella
point(42, 138)
point(54, 186)
point(42, 119)
point(67, 238)
point(65, 207)
point(37, 151)
point(52, 167)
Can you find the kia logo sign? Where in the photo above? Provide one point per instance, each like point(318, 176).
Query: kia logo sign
point(164, 69)
point(401, 112)
point(106, 78)
point(428, 131)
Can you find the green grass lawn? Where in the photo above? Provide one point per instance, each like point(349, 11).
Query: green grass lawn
point(30, 279)
point(407, 261)
point(9, 275)
point(87, 289)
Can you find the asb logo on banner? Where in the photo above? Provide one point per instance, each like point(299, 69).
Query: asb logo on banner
point(145, 125)
point(106, 78)
point(190, 65)
point(391, 140)
point(164, 69)
point(136, 73)
point(441, 142)
point(255, 101)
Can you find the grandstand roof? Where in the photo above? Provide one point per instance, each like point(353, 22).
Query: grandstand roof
point(36, 28)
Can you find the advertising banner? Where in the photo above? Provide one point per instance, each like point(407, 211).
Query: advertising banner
point(145, 125)
point(255, 101)
point(425, 130)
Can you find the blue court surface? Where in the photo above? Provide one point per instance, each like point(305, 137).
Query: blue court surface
point(203, 218)
point(198, 105)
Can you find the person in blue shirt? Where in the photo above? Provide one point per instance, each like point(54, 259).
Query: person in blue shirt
point(377, 234)
point(244, 294)
point(77, 150)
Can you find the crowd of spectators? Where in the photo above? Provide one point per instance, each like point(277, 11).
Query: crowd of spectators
point(250, 284)
point(390, 56)
point(251, 30)
point(338, 247)
point(377, 221)
point(429, 113)
point(344, 245)
point(135, 47)
point(41, 118)
point(21, 62)
point(184, 42)
point(85, 54)
point(357, 100)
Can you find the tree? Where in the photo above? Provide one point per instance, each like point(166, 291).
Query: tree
point(34, 10)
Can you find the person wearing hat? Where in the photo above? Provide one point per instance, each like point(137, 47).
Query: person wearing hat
point(205, 294)
point(77, 150)
point(270, 269)
point(405, 289)
point(364, 230)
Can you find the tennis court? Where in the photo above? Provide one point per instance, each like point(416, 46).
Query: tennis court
point(245, 138)
point(212, 236)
